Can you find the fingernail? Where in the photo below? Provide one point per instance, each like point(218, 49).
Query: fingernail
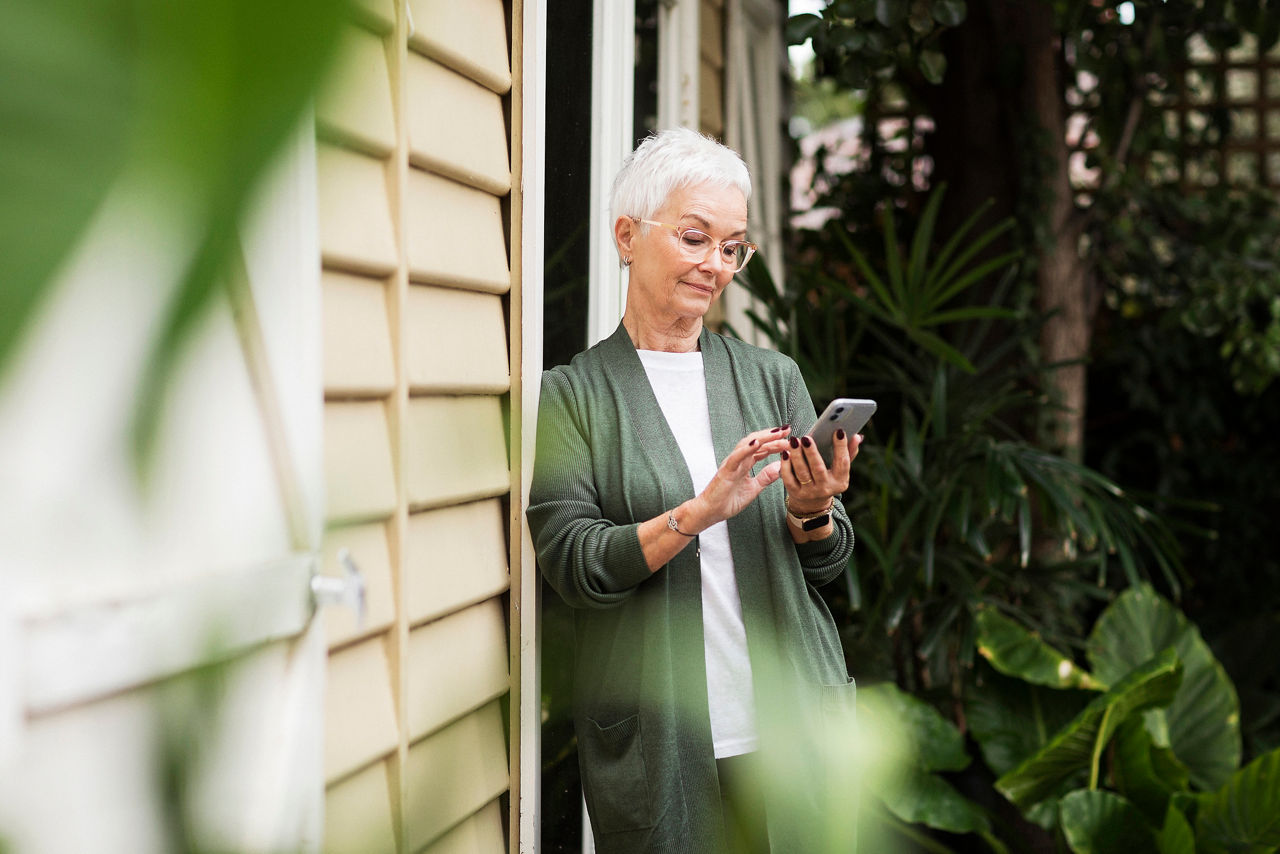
point(840, 434)
point(795, 443)
point(777, 429)
point(751, 443)
point(785, 456)
point(806, 441)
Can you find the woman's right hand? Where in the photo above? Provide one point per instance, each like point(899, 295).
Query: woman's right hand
point(734, 487)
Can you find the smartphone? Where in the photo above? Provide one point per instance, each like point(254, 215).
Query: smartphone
point(844, 413)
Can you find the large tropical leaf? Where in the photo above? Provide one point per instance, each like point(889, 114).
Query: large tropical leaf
point(1012, 719)
point(1244, 815)
point(1079, 745)
point(1176, 836)
point(1144, 773)
point(1101, 822)
point(190, 100)
point(1202, 724)
point(933, 744)
point(66, 106)
point(1014, 651)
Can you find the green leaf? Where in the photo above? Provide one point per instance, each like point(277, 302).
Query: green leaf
point(1244, 815)
point(935, 742)
point(1012, 719)
point(1202, 725)
point(1175, 836)
point(1146, 774)
point(933, 65)
point(949, 13)
point(891, 13)
point(800, 28)
point(1079, 745)
point(1101, 822)
point(66, 106)
point(1014, 651)
point(924, 798)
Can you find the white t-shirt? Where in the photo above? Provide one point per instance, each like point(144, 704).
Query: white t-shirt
point(681, 388)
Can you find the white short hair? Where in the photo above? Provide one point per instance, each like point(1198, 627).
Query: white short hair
point(669, 160)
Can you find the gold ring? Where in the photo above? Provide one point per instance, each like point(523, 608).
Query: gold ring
point(805, 482)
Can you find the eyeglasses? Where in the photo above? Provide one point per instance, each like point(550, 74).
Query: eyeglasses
point(697, 245)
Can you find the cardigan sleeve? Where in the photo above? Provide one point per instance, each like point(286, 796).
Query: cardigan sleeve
point(822, 561)
point(590, 561)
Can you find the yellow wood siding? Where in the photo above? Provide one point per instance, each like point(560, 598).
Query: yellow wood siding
point(455, 557)
point(417, 236)
point(711, 68)
point(358, 817)
point(453, 774)
point(357, 341)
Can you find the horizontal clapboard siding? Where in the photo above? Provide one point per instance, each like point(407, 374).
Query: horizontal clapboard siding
point(456, 664)
point(456, 235)
point(475, 153)
point(415, 179)
point(358, 359)
point(458, 342)
point(470, 38)
point(456, 556)
point(453, 774)
point(455, 450)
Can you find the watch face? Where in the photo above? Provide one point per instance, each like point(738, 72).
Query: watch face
point(816, 522)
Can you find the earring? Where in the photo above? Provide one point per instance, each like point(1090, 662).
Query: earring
point(626, 262)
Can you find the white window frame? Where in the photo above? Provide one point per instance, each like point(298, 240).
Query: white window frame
point(753, 74)
point(613, 51)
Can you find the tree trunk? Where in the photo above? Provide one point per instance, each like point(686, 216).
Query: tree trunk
point(1061, 276)
point(1000, 123)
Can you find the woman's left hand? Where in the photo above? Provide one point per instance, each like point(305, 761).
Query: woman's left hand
point(810, 484)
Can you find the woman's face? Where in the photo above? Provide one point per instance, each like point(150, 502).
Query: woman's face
point(663, 280)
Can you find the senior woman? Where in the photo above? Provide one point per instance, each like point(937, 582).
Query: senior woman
point(657, 516)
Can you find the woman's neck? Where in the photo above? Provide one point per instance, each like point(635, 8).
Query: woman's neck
point(680, 336)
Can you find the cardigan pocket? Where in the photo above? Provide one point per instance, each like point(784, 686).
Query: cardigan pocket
point(839, 705)
point(616, 783)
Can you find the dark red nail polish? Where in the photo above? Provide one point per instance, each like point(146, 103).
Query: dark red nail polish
point(751, 444)
point(840, 435)
point(776, 430)
point(806, 441)
point(795, 443)
point(785, 456)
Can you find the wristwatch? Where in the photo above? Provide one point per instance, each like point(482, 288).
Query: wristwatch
point(812, 521)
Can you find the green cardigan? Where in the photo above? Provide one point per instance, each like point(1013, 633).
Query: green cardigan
point(607, 461)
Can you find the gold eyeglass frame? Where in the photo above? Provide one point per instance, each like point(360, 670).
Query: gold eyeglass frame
point(681, 230)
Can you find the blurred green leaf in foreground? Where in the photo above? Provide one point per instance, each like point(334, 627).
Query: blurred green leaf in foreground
point(190, 100)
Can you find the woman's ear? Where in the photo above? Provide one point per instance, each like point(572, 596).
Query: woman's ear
point(624, 234)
